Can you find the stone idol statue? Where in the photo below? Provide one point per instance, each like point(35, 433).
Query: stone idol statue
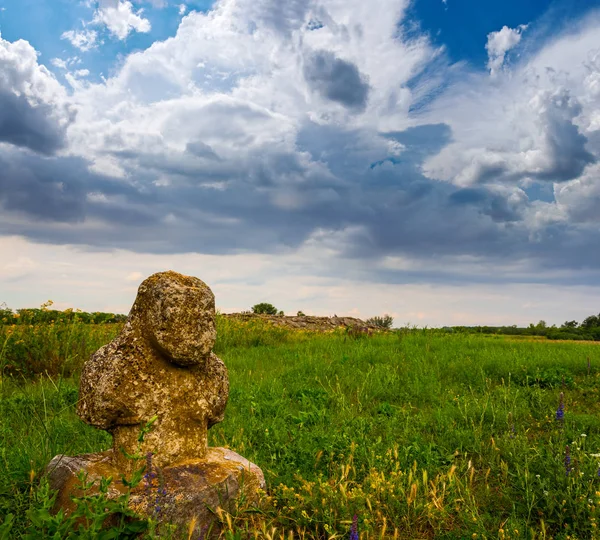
point(161, 377)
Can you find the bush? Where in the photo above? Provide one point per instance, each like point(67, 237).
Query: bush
point(384, 322)
point(265, 309)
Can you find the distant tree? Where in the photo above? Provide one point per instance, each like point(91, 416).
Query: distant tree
point(281, 313)
point(384, 322)
point(593, 321)
point(264, 309)
point(569, 325)
point(300, 314)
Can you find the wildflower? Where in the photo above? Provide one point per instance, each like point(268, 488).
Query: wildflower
point(149, 476)
point(512, 431)
point(354, 529)
point(568, 467)
point(161, 493)
point(560, 412)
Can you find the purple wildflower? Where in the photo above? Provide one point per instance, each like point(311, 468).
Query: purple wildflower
point(354, 529)
point(149, 476)
point(568, 467)
point(513, 431)
point(161, 493)
point(560, 412)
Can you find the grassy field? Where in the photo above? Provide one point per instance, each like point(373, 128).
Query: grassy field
point(417, 433)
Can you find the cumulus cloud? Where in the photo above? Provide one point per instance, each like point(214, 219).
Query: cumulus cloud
point(579, 199)
point(242, 133)
point(531, 125)
point(543, 142)
point(120, 18)
point(33, 110)
point(499, 43)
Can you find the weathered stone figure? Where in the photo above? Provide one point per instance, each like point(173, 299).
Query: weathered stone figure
point(161, 370)
point(161, 365)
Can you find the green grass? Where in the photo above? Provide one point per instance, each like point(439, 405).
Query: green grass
point(422, 435)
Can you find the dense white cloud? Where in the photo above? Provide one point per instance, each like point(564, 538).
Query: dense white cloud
point(534, 124)
point(499, 43)
point(33, 105)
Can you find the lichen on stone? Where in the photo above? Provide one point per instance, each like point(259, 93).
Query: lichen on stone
point(161, 365)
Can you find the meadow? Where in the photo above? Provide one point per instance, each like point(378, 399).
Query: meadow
point(417, 433)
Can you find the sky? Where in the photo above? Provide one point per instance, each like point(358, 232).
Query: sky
point(436, 160)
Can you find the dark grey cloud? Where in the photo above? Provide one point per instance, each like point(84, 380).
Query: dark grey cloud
point(30, 126)
point(566, 145)
point(563, 151)
point(201, 150)
point(496, 205)
point(337, 80)
point(422, 141)
point(340, 180)
point(58, 190)
point(468, 196)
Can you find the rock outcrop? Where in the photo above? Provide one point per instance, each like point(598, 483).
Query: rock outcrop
point(308, 322)
point(160, 377)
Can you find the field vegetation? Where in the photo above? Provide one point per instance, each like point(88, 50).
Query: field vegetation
point(411, 433)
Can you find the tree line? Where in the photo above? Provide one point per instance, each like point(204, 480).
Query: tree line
point(44, 315)
point(588, 329)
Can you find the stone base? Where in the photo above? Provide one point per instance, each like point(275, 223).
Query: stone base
point(179, 494)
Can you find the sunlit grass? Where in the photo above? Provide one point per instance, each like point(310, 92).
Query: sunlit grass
point(419, 434)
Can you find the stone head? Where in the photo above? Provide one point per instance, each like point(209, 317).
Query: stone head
point(175, 314)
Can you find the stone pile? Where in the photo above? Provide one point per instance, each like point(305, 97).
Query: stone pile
point(308, 322)
point(161, 372)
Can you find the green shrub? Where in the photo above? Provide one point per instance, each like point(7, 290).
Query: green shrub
point(264, 309)
point(384, 322)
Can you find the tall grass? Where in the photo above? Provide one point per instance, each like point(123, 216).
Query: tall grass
point(419, 434)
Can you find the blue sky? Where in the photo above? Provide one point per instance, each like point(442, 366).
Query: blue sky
point(462, 26)
point(433, 160)
point(43, 22)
